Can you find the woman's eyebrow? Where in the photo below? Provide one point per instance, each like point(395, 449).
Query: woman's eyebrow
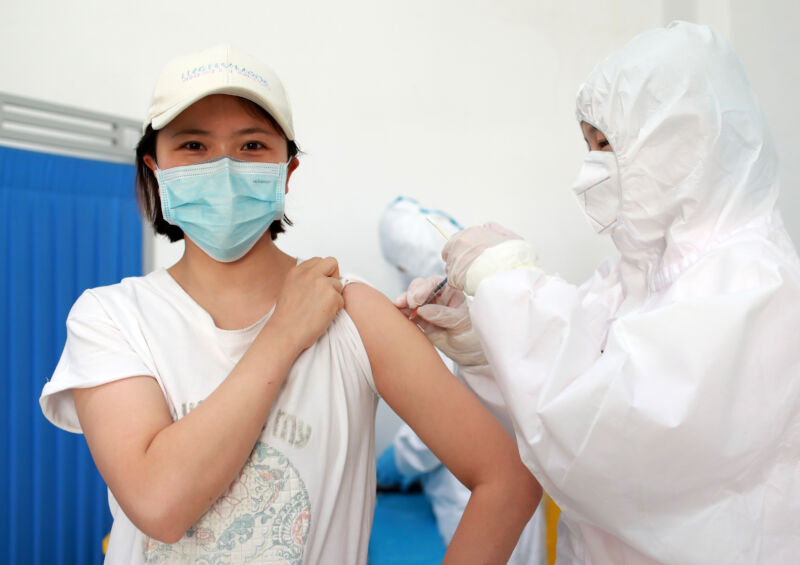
point(252, 130)
point(190, 131)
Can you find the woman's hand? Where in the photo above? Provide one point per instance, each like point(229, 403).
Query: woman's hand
point(310, 298)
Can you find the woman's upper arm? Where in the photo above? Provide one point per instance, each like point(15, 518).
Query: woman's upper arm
point(414, 381)
point(119, 420)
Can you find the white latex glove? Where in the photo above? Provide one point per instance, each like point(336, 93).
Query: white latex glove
point(445, 320)
point(477, 252)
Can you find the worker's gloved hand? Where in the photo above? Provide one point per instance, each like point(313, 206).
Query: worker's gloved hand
point(477, 252)
point(445, 320)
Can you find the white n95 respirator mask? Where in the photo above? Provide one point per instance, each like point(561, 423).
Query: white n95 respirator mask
point(597, 189)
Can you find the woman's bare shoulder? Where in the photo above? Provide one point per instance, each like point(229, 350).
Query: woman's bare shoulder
point(357, 294)
point(372, 310)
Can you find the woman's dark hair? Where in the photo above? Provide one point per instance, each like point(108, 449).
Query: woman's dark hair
point(147, 184)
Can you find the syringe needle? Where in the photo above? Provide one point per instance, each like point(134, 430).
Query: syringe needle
point(436, 290)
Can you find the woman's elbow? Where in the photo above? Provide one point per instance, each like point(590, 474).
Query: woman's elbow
point(514, 490)
point(160, 520)
point(165, 529)
point(529, 491)
point(169, 533)
point(522, 489)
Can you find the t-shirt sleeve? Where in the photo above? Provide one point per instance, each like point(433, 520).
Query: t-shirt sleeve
point(360, 357)
point(97, 351)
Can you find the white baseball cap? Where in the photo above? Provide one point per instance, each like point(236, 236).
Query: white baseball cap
point(219, 70)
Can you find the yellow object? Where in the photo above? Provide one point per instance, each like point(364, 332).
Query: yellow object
point(551, 514)
point(105, 543)
point(440, 230)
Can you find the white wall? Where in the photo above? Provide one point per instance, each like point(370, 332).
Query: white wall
point(765, 35)
point(467, 106)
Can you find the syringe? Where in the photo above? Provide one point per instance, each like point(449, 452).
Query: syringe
point(438, 288)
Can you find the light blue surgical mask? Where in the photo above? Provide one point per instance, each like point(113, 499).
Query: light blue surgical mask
point(223, 205)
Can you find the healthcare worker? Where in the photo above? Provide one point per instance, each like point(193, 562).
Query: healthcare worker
point(659, 402)
point(410, 242)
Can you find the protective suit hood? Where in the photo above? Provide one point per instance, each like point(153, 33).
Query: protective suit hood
point(678, 111)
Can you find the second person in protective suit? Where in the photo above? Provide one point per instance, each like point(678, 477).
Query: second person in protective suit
point(658, 403)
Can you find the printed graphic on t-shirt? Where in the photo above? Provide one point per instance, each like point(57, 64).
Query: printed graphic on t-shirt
point(263, 518)
point(292, 429)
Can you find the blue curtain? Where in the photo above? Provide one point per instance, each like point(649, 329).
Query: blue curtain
point(66, 224)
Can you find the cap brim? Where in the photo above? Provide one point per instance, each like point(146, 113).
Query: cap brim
point(161, 120)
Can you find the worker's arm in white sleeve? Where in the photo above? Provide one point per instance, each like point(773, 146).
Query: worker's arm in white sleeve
point(656, 439)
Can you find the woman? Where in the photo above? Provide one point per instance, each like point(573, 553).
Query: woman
point(659, 402)
point(229, 401)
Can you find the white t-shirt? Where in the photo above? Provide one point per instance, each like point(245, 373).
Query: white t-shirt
point(305, 496)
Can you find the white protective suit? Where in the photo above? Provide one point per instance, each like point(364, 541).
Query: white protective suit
point(659, 402)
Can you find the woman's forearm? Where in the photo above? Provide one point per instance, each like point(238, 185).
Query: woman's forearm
point(173, 475)
point(196, 459)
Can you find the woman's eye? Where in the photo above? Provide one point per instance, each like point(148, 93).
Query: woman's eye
point(253, 145)
point(193, 145)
